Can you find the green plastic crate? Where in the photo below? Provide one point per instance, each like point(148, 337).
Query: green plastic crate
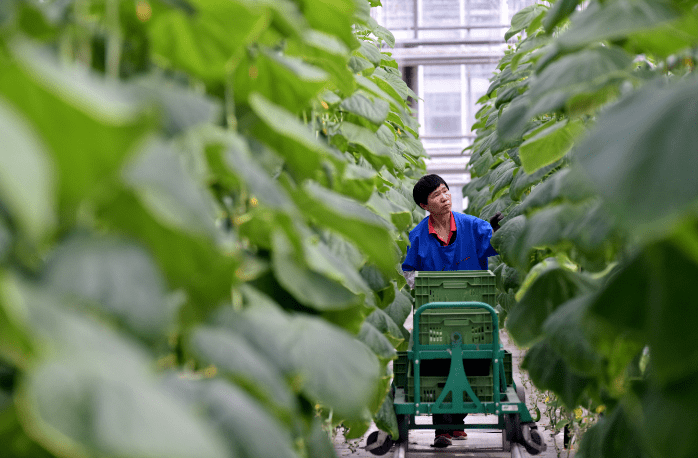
point(455, 286)
point(400, 369)
point(432, 385)
point(438, 326)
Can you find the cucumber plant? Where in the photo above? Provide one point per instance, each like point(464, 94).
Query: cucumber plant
point(203, 206)
point(585, 141)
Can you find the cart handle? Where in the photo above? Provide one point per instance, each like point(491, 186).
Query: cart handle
point(442, 305)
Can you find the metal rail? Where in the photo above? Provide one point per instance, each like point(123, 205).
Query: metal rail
point(401, 450)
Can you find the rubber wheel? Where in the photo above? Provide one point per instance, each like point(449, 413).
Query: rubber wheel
point(537, 439)
point(383, 449)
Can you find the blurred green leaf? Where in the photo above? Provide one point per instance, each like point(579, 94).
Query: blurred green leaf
point(386, 419)
point(114, 275)
point(550, 372)
point(640, 157)
point(333, 17)
point(169, 191)
point(652, 285)
point(288, 81)
point(87, 393)
point(385, 324)
point(202, 43)
point(554, 286)
point(377, 341)
point(233, 356)
point(88, 126)
point(615, 435)
point(565, 332)
point(248, 429)
point(27, 180)
point(335, 369)
point(202, 269)
point(523, 18)
point(615, 20)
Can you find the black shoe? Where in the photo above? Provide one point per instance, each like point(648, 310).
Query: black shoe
point(444, 440)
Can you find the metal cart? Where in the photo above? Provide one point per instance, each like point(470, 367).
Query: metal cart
point(457, 395)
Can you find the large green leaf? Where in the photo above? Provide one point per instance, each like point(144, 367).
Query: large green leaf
point(328, 53)
point(665, 408)
point(182, 107)
point(368, 231)
point(288, 136)
point(558, 12)
point(523, 181)
point(96, 394)
point(374, 110)
point(644, 300)
point(567, 184)
point(615, 20)
point(377, 341)
point(267, 190)
point(198, 266)
point(164, 185)
point(550, 372)
point(554, 286)
point(523, 18)
point(235, 357)
point(87, 125)
point(385, 324)
point(565, 332)
point(203, 43)
point(370, 51)
point(640, 155)
point(334, 368)
point(249, 429)
point(548, 144)
point(580, 73)
point(308, 286)
point(288, 81)
point(27, 180)
point(114, 275)
point(333, 17)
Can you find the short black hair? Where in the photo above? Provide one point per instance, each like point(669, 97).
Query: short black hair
point(425, 186)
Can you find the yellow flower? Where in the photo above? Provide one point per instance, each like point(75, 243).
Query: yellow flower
point(578, 412)
point(600, 409)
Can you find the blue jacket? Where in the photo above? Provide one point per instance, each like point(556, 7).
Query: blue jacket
point(469, 251)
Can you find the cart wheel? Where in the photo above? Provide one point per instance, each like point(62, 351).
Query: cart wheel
point(381, 449)
point(537, 439)
point(403, 426)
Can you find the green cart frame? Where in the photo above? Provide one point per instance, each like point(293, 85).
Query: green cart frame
point(508, 401)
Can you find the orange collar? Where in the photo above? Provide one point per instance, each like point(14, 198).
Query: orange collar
point(450, 234)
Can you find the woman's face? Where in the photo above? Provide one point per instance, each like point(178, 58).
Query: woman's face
point(439, 201)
